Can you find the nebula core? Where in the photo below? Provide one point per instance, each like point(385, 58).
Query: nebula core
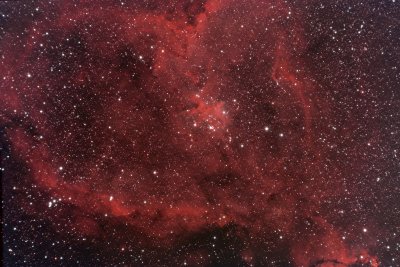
point(200, 133)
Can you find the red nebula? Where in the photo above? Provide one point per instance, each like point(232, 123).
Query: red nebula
point(152, 126)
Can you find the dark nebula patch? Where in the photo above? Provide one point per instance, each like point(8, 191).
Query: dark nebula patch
point(200, 133)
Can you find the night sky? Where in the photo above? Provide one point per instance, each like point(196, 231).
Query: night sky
point(200, 133)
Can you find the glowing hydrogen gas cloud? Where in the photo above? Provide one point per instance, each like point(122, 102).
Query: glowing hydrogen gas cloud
point(200, 133)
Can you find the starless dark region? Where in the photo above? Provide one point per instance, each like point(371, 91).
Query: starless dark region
point(200, 133)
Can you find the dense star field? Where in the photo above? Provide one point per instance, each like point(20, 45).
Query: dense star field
point(200, 133)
